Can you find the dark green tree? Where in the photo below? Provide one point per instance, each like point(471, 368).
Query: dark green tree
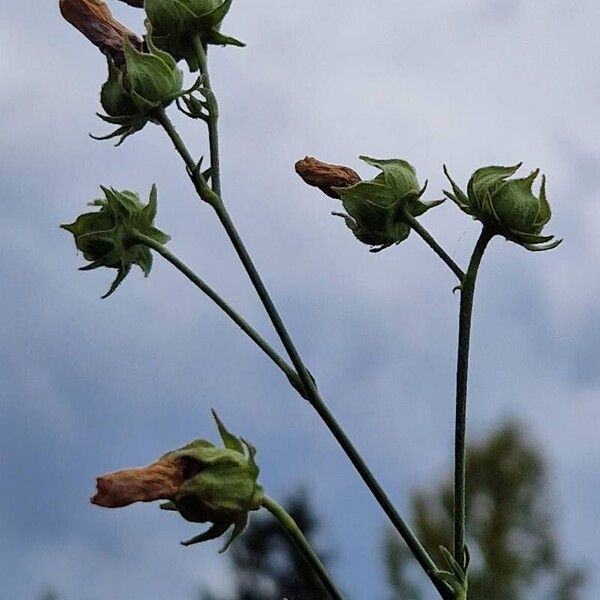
point(511, 533)
point(266, 565)
point(49, 595)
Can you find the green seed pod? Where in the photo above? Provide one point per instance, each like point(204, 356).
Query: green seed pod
point(153, 77)
point(374, 208)
point(106, 237)
point(114, 96)
point(176, 23)
point(149, 80)
point(223, 490)
point(506, 206)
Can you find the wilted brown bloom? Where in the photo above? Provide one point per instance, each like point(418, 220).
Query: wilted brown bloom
point(159, 481)
point(94, 19)
point(325, 176)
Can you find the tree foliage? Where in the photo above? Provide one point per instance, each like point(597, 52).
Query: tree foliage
point(515, 554)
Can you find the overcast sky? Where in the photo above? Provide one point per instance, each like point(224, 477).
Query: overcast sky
point(89, 386)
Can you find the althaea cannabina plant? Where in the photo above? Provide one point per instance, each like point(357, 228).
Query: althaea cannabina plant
point(200, 481)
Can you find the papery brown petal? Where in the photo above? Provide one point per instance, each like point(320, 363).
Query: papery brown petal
point(158, 481)
point(325, 176)
point(94, 19)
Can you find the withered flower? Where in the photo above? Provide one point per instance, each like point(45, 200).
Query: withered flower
point(374, 208)
point(94, 19)
point(325, 176)
point(202, 482)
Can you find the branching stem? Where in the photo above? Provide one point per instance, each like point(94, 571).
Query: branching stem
point(293, 531)
point(307, 388)
point(222, 304)
point(213, 116)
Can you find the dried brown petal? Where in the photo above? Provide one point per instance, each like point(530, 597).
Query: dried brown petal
point(94, 19)
point(325, 176)
point(158, 481)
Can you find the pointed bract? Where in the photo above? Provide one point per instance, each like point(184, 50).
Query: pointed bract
point(105, 237)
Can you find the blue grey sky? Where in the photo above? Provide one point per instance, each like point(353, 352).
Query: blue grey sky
point(89, 386)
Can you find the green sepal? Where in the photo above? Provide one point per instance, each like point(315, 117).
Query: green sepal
point(153, 77)
point(485, 181)
point(214, 532)
point(515, 205)
point(122, 273)
point(216, 38)
point(238, 528)
point(544, 248)
point(229, 440)
point(114, 97)
point(457, 195)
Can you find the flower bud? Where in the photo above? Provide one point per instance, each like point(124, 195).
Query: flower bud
point(106, 237)
point(373, 208)
point(130, 95)
point(153, 77)
point(506, 206)
point(115, 98)
point(176, 23)
point(204, 483)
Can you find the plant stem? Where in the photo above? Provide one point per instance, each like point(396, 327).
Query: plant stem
point(200, 183)
point(307, 388)
point(222, 304)
point(430, 241)
point(293, 531)
point(462, 374)
point(316, 401)
point(213, 116)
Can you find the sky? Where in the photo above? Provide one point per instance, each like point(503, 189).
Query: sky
point(90, 386)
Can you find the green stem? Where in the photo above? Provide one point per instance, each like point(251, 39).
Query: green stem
point(430, 241)
point(213, 116)
point(462, 375)
point(307, 388)
point(222, 304)
point(202, 188)
point(293, 531)
point(317, 402)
